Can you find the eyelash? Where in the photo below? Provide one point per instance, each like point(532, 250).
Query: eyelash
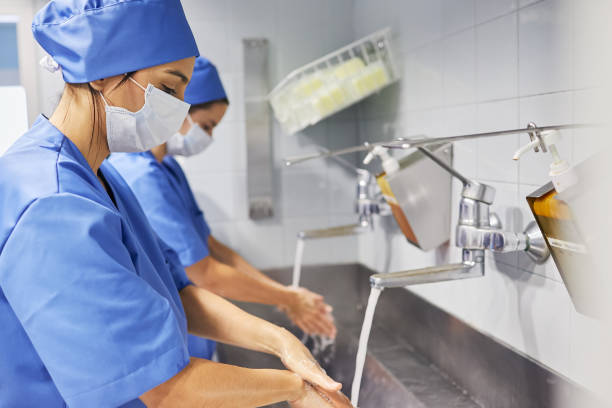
point(168, 90)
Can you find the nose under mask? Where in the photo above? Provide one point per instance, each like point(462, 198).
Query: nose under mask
point(195, 141)
point(155, 123)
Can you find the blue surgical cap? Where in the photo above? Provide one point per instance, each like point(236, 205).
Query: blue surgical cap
point(205, 85)
point(95, 39)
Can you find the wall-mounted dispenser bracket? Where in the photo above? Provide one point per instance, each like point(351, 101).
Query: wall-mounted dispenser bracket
point(478, 229)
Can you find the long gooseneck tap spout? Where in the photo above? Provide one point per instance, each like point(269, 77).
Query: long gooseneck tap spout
point(471, 267)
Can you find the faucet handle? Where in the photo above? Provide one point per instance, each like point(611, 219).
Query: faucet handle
point(494, 221)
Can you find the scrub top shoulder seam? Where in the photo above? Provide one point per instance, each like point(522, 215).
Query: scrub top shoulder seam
point(19, 217)
point(27, 206)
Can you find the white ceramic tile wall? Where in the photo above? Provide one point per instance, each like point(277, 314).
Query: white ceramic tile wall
point(497, 51)
point(314, 195)
point(471, 66)
point(490, 9)
point(468, 65)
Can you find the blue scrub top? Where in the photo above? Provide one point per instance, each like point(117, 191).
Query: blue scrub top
point(166, 197)
point(90, 311)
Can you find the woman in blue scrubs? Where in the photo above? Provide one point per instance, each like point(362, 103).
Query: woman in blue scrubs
point(165, 195)
point(95, 308)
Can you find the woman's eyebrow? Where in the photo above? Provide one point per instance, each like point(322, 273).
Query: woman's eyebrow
point(178, 74)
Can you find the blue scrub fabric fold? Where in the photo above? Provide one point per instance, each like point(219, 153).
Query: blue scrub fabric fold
point(164, 193)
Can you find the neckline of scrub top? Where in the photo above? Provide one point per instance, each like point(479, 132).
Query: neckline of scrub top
point(107, 187)
point(163, 166)
point(183, 186)
point(80, 158)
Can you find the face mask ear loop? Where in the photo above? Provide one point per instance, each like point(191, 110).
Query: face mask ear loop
point(103, 99)
point(191, 122)
point(136, 82)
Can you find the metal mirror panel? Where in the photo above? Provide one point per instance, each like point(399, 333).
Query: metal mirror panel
point(258, 129)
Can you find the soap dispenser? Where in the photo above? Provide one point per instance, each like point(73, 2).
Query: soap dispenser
point(553, 206)
point(418, 192)
point(390, 167)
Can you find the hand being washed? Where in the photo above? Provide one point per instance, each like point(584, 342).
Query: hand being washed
point(296, 357)
point(315, 397)
point(310, 313)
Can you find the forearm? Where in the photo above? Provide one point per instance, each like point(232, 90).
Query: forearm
point(305, 309)
point(229, 282)
point(211, 316)
point(230, 257)
point(221, 252)
point(206, 384)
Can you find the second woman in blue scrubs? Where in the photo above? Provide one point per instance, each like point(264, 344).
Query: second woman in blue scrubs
point(94, 307)
point(163, 191)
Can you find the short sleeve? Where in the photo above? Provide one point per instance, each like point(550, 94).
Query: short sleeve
point(202, 226)
point(174, 264)
point(170, 217)
point(105, 335)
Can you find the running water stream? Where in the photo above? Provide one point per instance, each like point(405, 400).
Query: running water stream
point(297, 265)
point(363, 344)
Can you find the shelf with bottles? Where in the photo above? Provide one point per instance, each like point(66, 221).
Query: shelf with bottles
point(334, 82)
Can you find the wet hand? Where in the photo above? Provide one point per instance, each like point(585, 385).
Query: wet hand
point(314, 397)
point(310, 313)
point(296, 357)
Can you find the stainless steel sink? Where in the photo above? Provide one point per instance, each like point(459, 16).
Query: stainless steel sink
point(395, 375)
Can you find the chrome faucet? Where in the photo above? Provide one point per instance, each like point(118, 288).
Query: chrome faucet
point(368, 202)
point(478, 229)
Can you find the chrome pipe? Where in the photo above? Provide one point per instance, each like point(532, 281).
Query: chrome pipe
point(463, 270)
point(421, 141)
point(445, 166)
point(409, 143)
point(290, 161)
point(505, 241)
point(340, 231)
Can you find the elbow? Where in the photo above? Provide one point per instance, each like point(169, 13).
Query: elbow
point(205, 274)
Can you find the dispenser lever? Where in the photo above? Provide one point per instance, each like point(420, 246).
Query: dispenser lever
point(546, 141)
point(531, 145)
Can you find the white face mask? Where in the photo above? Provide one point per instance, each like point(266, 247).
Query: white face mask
point(161, 115)
point(191, 143)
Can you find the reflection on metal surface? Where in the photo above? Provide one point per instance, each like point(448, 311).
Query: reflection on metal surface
point(260, 181)
point(538, 252)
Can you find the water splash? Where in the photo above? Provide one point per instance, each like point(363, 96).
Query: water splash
point(297, 265)
point(323, 348)
point(363, 344)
